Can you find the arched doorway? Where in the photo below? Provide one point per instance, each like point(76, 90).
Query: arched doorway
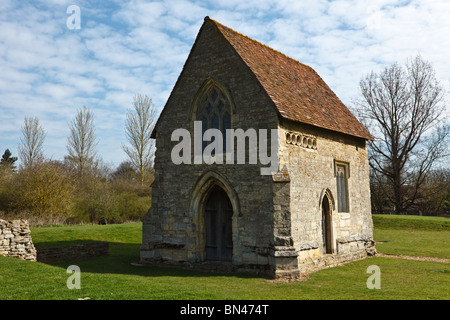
point(218, 226)
point(201, 192)
point(326, 225)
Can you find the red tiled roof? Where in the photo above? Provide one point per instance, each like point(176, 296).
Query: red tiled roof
point(297, 91)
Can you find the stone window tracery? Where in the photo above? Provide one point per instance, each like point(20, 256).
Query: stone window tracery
point(215, 112)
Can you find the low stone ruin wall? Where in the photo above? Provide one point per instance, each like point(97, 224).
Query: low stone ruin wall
point(15, 240)
point(74, 252)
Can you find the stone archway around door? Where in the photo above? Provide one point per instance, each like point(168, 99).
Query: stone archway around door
point(203, 189)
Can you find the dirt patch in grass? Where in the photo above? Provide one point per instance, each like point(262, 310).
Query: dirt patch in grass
point(413, 257)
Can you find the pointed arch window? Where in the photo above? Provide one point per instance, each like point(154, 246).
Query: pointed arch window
point(214, 111)
point(342, 172)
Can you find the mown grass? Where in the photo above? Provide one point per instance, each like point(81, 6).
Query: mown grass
point(114, 277)
point(398, 222)
point(400, 279)
point(412, 235)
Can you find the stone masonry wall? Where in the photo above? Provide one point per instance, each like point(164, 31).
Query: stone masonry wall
point(15, 240)
point(172, 231)
point(309, 155)
point(74, 252)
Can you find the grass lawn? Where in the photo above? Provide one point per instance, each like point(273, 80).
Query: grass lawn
point(113, 277)
point(412, 235)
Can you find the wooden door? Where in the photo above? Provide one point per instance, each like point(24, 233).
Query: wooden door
point(326, 225)
point(218, 214)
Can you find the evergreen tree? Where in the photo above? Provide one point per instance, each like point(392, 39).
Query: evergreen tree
point(7, 160)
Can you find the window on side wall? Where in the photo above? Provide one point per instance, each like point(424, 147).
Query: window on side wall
point(342, 173)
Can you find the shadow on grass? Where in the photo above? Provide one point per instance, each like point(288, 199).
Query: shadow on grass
point(42, 245)
point(123, 259)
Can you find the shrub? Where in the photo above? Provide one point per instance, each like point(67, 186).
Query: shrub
point(44, 190)
point(106, 204)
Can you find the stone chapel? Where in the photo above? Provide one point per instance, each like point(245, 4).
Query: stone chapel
point(313, 211)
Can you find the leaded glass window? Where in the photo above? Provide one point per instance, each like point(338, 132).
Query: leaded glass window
point(342, 192)
point(214, 111)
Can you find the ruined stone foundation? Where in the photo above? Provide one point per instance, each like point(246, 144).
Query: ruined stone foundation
point(15, 240)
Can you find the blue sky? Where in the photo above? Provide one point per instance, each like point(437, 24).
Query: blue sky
point(133, 47)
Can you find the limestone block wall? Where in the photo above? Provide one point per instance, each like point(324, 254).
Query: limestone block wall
point(309, 154)
point(15, 240)
point(173, 229)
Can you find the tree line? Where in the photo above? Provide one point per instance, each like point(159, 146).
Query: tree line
point(402, 107)
point(81, 188)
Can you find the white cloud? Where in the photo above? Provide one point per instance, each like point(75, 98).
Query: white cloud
point(136, 46)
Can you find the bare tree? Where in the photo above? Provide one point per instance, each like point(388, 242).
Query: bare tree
point(81, 142)
point(32, 142)
point(402, 108)
point(138, 128)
